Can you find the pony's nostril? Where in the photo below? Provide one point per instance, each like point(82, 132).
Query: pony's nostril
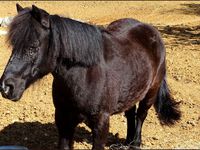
point(34, 72)
point(6, 90)
point(7, 87)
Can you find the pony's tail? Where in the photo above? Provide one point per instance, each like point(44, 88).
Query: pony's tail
point(166, 107)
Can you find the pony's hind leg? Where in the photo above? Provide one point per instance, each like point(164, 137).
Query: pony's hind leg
point(135, 119)
point(131, 124)
point(142, 112)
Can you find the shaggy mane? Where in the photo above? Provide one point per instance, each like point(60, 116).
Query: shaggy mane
point(81, 42)
point(76, 41)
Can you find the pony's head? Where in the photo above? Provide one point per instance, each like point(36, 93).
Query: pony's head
point(29, 37)
point(41, 43)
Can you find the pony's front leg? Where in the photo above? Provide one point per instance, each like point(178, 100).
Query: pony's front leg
point(100, 129)
point(66, 123)
point(131, 124)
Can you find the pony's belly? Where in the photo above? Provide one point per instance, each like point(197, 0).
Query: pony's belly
point(129, 98)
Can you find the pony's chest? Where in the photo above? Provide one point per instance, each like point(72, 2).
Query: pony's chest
point(83, 88)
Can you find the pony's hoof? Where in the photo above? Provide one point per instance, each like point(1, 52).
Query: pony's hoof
point(132, 147)
point(133, 144)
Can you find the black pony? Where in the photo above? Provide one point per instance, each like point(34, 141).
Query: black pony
point(97, 72)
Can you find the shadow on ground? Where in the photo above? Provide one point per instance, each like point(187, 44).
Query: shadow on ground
point(190, 9)
point(187, 9)
point(182, 34)
point(43, 136)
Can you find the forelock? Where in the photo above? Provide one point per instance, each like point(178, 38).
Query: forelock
point(21, 30)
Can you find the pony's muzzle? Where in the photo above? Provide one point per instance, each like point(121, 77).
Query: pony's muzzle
point(7, 88)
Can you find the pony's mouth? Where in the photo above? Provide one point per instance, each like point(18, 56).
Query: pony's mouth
point(11, 95)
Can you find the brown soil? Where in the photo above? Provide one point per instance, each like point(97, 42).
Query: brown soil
point(30, 121)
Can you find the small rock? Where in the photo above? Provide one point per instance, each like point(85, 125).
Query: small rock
point(191, 123)
point(183, 126)
point(152, 143)
point(195, 42)
point(21, 118)
point(15, 120)
point(148, 143)
point(177, 78)
point(7, 112)
point(154, 138)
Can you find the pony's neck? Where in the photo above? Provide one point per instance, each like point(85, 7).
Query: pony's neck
point(79, 43)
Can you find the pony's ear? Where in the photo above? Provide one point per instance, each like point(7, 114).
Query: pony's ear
point(41, 16)
point(19, 8)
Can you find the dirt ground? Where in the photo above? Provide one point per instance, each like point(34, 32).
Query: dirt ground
point(30, 121)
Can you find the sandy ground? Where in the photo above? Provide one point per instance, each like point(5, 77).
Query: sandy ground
point(30, 122)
